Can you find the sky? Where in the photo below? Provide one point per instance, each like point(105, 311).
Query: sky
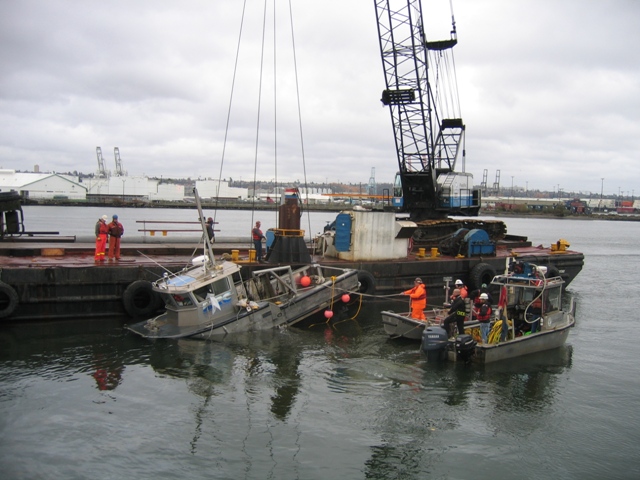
point(549, 90)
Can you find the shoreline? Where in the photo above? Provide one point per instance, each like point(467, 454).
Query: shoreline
point(319, 208)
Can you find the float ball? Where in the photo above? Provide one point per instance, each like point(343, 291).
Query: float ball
point(346, 298)
point(328, 314)
point(305, 281)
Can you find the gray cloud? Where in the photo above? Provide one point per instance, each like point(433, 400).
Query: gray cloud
point(549, 90)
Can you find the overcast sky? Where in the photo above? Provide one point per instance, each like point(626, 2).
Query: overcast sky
point(549, 90)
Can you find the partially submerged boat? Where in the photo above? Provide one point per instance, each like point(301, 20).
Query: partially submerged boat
point(530, 318)
point(210, 298)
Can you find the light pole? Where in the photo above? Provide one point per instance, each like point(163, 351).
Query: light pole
point(513, 197)
point(123, 181)
point(601, 192)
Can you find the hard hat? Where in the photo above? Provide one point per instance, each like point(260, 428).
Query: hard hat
point(455, 293)
point(484, 296)
point(418, 280)
point(458, 282)
point(209, 220)
point(105, 218)
point(115, 217)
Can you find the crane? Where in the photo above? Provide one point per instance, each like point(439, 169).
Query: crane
point(119, 171)
point(102, 172)
point(428, 142)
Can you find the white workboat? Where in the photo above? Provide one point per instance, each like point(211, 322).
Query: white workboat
point(530, 318)
point(210, 298)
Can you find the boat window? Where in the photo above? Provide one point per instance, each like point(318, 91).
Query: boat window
point(221, 286)
point(553, 299)
point(182, 300)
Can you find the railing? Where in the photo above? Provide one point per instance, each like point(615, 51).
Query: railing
point(151, 227)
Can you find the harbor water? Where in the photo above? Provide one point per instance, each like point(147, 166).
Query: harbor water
point(89, 400)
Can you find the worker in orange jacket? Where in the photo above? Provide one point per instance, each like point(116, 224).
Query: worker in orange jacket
point(418, 295)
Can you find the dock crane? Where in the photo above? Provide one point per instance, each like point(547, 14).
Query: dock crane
point(428, 143)
point(102, 172)
point(119, 171)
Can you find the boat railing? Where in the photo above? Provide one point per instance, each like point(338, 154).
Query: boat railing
point(163, 227)
point(521, 281)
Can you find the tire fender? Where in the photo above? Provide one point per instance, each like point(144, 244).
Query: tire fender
point(552, 271)
point(8, 300)
point(481, 273)
point(140, 300)
point(367, 282)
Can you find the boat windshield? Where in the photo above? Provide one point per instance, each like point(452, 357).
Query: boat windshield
point(218, 287)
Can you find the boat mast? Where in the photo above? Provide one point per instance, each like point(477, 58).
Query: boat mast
point(207, 241)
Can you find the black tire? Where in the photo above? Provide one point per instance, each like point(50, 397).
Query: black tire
point(367, 282)
point(8, 300)
point(140, 300)
point(481, 273)
point(552, 271)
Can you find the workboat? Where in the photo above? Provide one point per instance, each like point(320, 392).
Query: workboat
point(529, 318)
point(210, 298)
point(403, 325)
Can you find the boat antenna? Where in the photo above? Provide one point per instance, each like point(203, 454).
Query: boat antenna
point(207, 241)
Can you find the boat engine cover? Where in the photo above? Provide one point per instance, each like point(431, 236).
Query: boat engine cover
point(434, 338)
point(464, 343)
point(435, 344)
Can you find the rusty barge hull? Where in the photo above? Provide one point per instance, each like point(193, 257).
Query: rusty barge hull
point(41, 281)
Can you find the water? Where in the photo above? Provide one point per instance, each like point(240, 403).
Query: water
point(81, 400)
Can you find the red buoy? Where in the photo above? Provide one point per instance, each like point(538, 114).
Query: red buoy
point(328, 314)
point(346, 298)
point(305, 281)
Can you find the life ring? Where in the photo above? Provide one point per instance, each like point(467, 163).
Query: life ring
point(140, 300)
point(481, 273)
point(367, 282)
point(8, 300)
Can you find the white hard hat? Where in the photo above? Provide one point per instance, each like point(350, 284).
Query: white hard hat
point(105, 218)
point(458, 282)
point(484, 296)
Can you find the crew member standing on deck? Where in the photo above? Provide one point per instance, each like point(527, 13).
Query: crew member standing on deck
point(418, 295)
point(101, 238)
point(116, 230)
point(257, 236)
point(456, 314)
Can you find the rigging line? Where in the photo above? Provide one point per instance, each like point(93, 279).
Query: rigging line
point(275, 115)
point(255, 160)
point(295, 69)
point(226, 130)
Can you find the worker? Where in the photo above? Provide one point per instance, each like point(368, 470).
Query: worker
point(101, 232)
point(257, 236)
point(483, 314)
point(418, 296)
point(456, 313)
point(464, 292)
point(210, 233)
point(116, 230)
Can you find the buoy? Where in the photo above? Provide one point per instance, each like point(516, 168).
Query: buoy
point(328, 314)
point(346, 298)
point(305, 281)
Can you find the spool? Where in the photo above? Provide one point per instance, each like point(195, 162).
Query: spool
point(421, 252)
point(434, 252)
point(235, 255)
point(252, 255)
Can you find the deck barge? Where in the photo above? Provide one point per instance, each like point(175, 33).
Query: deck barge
point(45, 279)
